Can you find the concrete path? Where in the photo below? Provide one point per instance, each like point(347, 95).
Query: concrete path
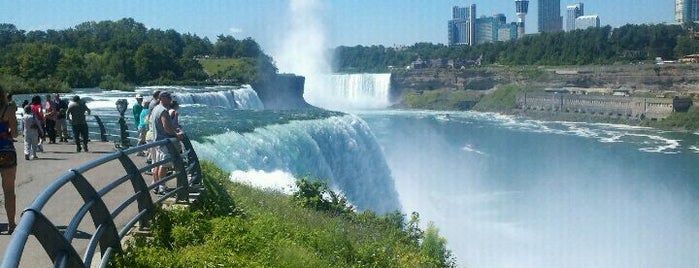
point(34, 175)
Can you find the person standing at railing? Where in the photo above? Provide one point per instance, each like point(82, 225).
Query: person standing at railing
point(8, 159)
point(61, 127)
point(143, 125)
point(37, 111)
point(51, 108)
point(32, 132)
point(163, 128)
point(136, 109)
point(76, 115)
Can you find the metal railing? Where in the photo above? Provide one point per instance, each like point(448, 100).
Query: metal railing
point(59, 243)
point(100, 127)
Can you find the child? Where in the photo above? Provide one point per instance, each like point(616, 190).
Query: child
point(32, 133)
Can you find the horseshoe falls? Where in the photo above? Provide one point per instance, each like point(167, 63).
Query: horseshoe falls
point(350, 91)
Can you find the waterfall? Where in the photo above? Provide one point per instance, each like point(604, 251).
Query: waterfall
point(340, 149)
point(243, 98)
point(351, 92)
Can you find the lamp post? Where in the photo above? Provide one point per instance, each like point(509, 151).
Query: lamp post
point(122, 105)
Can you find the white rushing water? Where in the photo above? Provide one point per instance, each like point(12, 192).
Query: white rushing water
point(346, 92)
point(341, 150)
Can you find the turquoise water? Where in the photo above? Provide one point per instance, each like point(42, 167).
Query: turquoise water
point(509, 192)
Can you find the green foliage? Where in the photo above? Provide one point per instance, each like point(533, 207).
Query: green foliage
point(269, 229)
point(317, 195)
point(688, 121)
point(118, 55)
point(628, 43)
point(444, 99)
point(115, 83)
point(435, 248)
point(502, 99)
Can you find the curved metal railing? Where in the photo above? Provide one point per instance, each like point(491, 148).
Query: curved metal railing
point(59, 242)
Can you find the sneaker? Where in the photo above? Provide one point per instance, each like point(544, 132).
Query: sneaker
point(26, 157)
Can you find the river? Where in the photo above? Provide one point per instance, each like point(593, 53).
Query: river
point(504, 191)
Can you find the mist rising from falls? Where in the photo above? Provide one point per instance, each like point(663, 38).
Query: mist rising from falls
point(302, 50)
point(340, 149)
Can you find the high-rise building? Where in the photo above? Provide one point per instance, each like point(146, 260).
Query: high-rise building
point(584, 22)
point(522, 8)
point(686, 10)
point(466, 29)
point(573, 12)
point(550, 19)
point(462, 26)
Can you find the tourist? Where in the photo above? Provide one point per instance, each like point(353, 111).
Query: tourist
point(61, 127)
point(11, 102)
point(76, 116)
point(8, 159)
point(175, 114)
point(51, 108)
point(143, 125)
point(155, 100)
point(136, 109)
point(163, 128)
point(37, 111)
point(32, 132)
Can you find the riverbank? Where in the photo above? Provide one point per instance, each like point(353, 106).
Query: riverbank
point(237, 225)
point(495, 88)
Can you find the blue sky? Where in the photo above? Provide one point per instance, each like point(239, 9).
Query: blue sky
point(346, 22)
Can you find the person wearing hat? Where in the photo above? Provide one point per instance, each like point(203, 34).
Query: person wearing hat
point(137, 108)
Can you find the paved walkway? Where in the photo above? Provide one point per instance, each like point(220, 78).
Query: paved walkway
point(34, 175)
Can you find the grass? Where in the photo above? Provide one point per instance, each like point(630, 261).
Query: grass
point(442, 99)
point(687, 121)
point(502, 99)
point(213, 66)
point(235, 225)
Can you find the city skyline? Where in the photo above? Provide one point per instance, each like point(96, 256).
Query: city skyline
point(348, 23)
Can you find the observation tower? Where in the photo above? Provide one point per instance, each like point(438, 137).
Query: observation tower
point(522, 9)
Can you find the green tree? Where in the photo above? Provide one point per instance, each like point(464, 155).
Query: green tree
point(71, 69)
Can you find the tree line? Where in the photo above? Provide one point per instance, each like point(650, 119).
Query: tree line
point(118, 55)
point(604, 45)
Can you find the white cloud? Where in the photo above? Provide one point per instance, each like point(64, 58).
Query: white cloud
point(235, 30)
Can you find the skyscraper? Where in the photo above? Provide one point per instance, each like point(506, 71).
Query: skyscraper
point(462, 26)
point(686, 10)
point(573, 12)
point(550, 19)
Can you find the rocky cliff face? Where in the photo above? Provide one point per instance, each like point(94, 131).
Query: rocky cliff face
point(678, 79)
point(282, 92)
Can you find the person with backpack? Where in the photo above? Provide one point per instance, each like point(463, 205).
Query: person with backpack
point(61, 126)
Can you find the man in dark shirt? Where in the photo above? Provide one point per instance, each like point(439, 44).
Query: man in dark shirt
point(76, 115)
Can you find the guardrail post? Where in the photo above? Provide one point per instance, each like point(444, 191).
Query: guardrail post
point(103, 132)
point(178, 163)
point(192, 161)
point(145, 203)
